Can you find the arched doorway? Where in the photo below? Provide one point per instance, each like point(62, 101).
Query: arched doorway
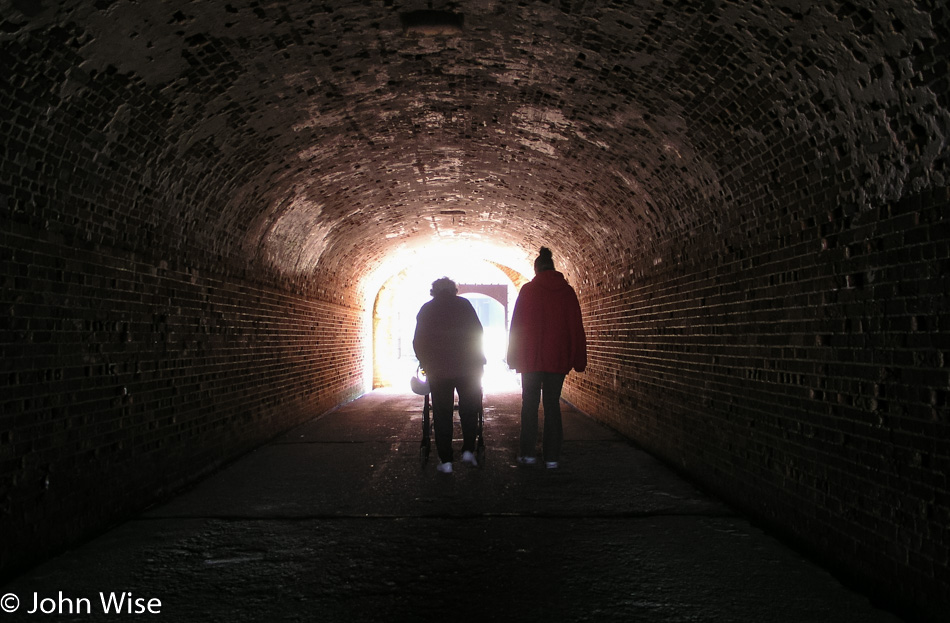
point(494, 318)
point(488, 287)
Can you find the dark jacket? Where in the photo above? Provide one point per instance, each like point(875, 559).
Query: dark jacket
point(547, 334)
point(448, 337)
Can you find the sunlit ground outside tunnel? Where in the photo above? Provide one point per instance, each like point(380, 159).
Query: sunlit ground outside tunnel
point(492, 294)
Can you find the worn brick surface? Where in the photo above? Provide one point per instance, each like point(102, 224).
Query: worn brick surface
point(198, 199)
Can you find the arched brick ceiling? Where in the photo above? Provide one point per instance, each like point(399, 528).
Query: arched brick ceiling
point(321, 138)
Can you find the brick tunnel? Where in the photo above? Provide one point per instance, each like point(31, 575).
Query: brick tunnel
point(202, 202)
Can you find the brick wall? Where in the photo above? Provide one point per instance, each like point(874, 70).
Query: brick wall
point(144, 340)
point(125, 377)
point(805, 379)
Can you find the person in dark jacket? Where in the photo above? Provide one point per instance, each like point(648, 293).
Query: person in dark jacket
point(545, 342)
point(448, 345)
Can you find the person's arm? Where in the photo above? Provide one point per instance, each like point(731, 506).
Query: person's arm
point(578, 337)
point(515, 333)
point(420, 341)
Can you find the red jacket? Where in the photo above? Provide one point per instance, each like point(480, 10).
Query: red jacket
point(547, 334)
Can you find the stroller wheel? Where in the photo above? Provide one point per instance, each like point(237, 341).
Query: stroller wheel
point(423, 455)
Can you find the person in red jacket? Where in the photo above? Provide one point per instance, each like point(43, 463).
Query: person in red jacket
point(448, 345)
point(545, 342)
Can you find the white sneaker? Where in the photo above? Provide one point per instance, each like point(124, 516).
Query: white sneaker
point(468, 457)
point(527, 460)
point(445, 468)
point(550, 464)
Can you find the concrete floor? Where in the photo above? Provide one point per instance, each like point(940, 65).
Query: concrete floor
point(337, 521)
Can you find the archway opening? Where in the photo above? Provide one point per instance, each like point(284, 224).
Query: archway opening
point(489, 288)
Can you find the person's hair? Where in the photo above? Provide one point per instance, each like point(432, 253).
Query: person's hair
point(443, 286)
point(544, 261)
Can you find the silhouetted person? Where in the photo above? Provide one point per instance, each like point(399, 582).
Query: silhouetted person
point(448, 344)
point(545, 342)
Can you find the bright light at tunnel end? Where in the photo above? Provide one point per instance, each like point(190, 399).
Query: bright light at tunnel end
point(445, 256)
point(400, 286)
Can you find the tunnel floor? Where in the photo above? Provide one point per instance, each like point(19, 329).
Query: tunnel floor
point(337, 521)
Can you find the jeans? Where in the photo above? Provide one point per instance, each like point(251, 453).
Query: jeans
point(443, 403)
point(536, 386)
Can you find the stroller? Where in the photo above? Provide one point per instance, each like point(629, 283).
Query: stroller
point(420, 386)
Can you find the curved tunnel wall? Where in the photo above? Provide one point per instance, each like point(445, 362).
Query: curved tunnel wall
point(749, 197)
